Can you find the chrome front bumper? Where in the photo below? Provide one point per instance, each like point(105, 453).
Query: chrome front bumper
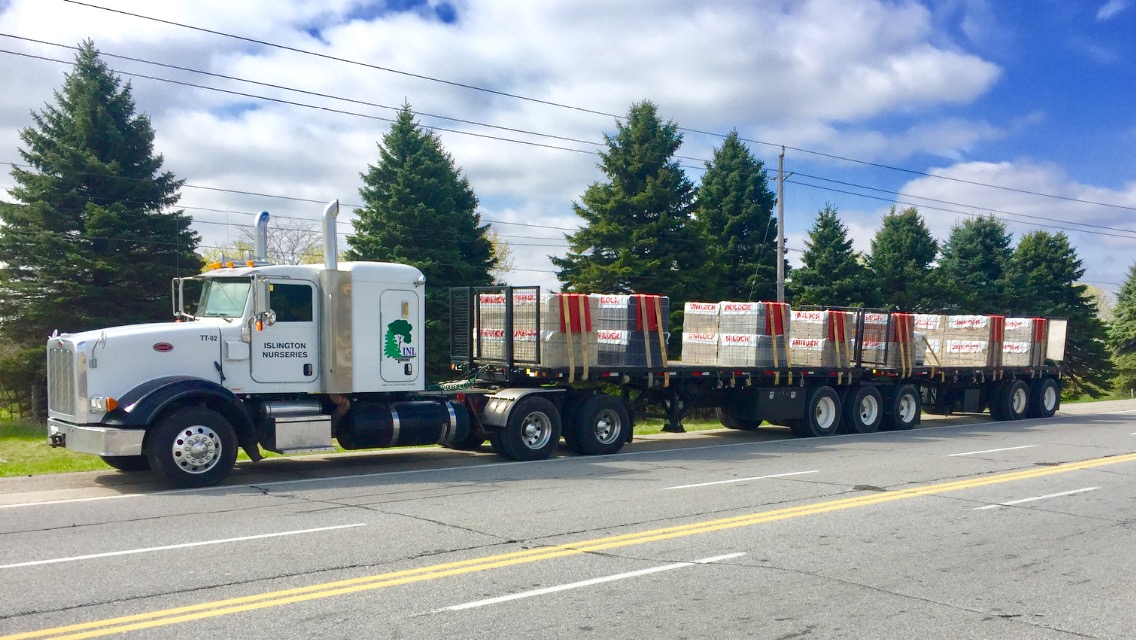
point(96, 439)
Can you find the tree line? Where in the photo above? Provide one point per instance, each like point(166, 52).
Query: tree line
point(91, 238)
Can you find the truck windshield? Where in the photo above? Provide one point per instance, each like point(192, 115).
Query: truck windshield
point(223, 298)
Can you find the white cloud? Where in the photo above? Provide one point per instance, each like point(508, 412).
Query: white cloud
point(1111, 8)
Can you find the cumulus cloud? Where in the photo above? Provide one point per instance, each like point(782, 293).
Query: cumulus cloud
point(1111, 8)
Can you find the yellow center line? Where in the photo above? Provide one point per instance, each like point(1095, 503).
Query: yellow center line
point(230, 606)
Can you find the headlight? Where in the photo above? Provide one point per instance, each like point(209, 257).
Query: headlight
point(101, 404)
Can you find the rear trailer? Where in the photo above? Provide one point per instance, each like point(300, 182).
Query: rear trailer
point(533, 376)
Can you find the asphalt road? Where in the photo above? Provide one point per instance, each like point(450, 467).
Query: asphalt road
point(962, 528)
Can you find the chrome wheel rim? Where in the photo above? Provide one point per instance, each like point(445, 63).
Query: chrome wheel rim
point(606, 426)
point(196, 449)
point(536, 430)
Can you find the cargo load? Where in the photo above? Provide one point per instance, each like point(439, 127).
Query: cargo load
point(754, 334)
point(700, 333)
point(972, 341)
point(889, 340)
point(1025, 342)
point(566, 331)
point(631, 330)
point(822, 338)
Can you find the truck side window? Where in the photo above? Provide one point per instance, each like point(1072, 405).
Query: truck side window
point(291, 302)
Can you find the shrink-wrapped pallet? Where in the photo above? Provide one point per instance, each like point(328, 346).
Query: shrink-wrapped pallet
point(822, 338)
point(1025, 342)
point(973, 341)
point(631, 330)
point(754, 334)
point(888, 340)
point(566, 331)
point(930, 330)
point(700, 333)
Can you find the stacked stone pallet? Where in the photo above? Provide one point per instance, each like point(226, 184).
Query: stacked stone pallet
point(630, 330)
point(567, 334)
point(753, 334)
point(932, 328)
point(700, 333)
point(889, 340)
point(973, 341)
point(822, 338)
point(1025, 342)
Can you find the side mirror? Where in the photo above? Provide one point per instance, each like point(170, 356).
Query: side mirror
point(261, 313)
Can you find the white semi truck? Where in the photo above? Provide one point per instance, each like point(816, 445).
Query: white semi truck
point(289, 357)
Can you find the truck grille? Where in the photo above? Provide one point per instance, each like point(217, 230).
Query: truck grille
point(61, 381)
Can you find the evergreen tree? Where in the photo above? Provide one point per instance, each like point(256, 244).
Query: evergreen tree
point(900, 262)
point(832, 274)
point(1048, 268)
point(638, 233)
point(420, 210)
point(973, 272)
point(1122, 333)
point(88, 242)
point(735, 208)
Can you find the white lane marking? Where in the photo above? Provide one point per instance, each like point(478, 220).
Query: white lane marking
point(588, 583)
point(776, 475)
point(973, 453)
point(47, 502)
point(1023, 500)
point(177, 546)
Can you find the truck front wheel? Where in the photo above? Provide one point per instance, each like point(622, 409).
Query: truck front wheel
point(192, 447)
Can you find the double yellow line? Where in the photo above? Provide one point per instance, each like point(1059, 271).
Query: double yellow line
point(342, 587)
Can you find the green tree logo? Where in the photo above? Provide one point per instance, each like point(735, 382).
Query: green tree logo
point(398, 334)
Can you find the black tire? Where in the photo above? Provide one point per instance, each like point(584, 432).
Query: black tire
point(863, 410)
point(192, 447)
point(495, 443)
point(532, 430)
point(127, 463)
point(996, 401)
point(568, 413)
point(731, 421)
point(1016, 400)
point(600, 426)
point(471, 442)
point(1045, 398)
point(903, 409)
point(822, 418)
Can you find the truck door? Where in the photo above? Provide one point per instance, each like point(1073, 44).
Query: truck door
point(287, 350)
point(403, 343)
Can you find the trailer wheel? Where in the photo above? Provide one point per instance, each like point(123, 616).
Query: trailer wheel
point(863, 410)
point(904, 409)
point(823, 417)
point(996, 400)
point(600, 426)
point(532, 430)
point(127, 463)
point(192, 448)
point(1045, 398)
point(1016, 401)
point(732, 421)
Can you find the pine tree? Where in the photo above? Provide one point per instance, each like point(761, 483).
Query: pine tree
point(735, 208)
point(832, 274)
point(420, 210)
point(1048, 269)
point(900, 262)
point(1122, 333)
point(89, 241)
point(638, 233)
point(973, 272)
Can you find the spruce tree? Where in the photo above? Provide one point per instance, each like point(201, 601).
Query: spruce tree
point(89, 240)
point(735, 208)
point(1122, 333)
point(639, 234)
point(900, 262)
point(1048, 269)
point(832, 274)
point(420, 210)
point(973, 272)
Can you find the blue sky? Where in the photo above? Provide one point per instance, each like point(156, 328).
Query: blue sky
point(966, 106)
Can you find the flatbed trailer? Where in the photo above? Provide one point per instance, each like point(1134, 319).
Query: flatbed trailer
point(812, 401)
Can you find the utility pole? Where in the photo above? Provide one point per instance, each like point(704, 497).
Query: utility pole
point(781, 226)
